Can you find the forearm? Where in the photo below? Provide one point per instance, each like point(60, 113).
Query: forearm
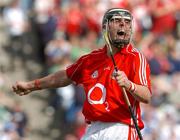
point(55, 80)
point(141, 93)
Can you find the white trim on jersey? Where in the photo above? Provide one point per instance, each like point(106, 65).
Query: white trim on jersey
point(142, 70)
point(142, 66)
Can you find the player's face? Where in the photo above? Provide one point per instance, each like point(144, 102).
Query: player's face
point(120, 29)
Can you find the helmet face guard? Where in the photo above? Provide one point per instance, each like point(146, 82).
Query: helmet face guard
point(118, 23)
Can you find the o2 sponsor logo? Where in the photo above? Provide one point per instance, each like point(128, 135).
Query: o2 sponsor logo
point(102, 97)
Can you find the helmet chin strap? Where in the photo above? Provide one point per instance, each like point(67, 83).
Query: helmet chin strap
point(119, 43)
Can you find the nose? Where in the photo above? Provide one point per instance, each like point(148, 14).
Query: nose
point(121, 22)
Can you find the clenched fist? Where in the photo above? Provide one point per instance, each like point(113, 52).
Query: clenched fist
point(21, 88)
point(122, 79)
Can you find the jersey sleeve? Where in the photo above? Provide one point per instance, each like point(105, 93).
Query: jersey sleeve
point(74, 71)
point(142, 71)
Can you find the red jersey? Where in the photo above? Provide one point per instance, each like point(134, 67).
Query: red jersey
point(104, 98)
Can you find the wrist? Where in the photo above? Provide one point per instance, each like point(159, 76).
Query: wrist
point(132, 87)
point(37, 84)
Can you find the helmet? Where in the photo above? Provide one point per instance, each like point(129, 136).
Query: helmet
point(118, 23)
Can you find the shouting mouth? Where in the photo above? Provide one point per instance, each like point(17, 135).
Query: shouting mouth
point(120, 34)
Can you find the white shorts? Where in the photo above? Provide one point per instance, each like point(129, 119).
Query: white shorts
point(109, 131)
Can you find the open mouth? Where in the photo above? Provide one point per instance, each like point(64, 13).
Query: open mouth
point(120, 33)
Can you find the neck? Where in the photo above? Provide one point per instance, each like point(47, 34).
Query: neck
point(114, 50)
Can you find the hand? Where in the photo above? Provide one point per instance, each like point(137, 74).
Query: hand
point(122, 79)
point(21, 88)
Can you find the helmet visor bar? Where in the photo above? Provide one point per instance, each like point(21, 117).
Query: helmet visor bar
point(119, 17)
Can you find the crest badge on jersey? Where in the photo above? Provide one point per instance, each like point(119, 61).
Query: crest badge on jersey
point(95, 74)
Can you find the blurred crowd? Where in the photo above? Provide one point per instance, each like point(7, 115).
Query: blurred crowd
point(64, 30)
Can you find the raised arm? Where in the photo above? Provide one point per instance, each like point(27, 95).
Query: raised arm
point(55, 80)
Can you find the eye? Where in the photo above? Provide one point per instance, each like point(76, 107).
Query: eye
point(127, 21)
point(117, 20)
